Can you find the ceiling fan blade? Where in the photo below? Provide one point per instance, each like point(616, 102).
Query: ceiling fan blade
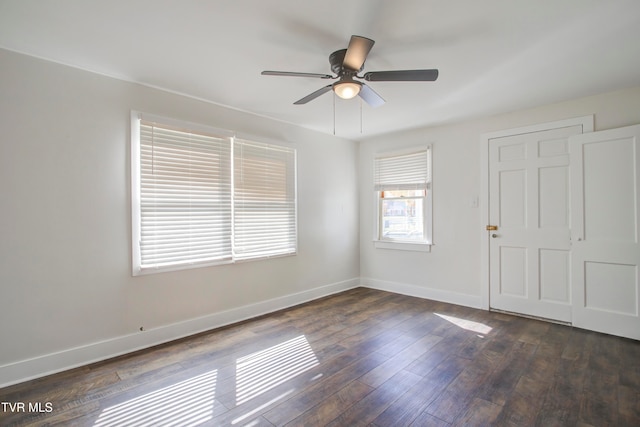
point(370, 96)
point(401, 76)
point(313, 95)
point(357, 52)
point(293, 74)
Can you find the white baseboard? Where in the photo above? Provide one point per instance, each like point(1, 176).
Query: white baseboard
point(422, 292)
point(29, 369)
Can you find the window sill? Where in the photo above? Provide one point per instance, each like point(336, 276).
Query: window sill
point(402, 246)
point(138, 271)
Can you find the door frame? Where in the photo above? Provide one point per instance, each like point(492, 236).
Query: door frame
point(587, 123)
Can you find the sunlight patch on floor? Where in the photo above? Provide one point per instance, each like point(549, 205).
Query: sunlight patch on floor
point(260, 408)
point(469, 325)
point(266, 369)
point(187, 403)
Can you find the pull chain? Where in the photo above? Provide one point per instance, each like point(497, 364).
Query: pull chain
point(334, 114)
point(360, 116)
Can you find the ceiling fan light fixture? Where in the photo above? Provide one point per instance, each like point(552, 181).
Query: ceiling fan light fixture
point(347, 89)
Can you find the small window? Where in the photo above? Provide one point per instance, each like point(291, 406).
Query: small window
point(403, 192)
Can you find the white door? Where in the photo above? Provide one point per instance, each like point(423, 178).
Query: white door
point(606, 251)
point(529, 253)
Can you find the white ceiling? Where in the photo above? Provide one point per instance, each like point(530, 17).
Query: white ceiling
point(493, 55)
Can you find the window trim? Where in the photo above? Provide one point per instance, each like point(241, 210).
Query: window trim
point(405, 245)
point(136, 211)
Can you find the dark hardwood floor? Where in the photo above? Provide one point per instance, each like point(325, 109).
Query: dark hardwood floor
point(362, 357)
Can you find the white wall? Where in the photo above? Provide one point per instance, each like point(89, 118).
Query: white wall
point(451, 271)
point(67, 293)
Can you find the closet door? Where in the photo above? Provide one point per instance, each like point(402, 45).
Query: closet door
point(605, 252)
point(529, 251)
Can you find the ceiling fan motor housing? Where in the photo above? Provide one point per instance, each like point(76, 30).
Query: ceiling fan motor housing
point(336, 59)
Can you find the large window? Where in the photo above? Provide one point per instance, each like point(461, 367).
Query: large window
point(203, 197)
point(402, 185)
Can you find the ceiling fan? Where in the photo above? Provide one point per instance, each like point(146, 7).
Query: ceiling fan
point(346, 64)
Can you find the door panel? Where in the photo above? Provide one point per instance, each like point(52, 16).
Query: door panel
point(606, 252)
point(554, 275)
point(529, 261)
point(611, 287)
point(513, 189)
point(554, 197)
point(513, 272)
point(609, 192)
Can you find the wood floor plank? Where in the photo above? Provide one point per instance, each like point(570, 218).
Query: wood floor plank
point(628, 404)
point(367, 409)
point(500, 384)
point(518, 411)
point(425, 420)
point(459, 394)
point(479, 413)
point(328, 409)
point(332, 380)
point(398, 362)
point(445, 348)
point(561, 405)
point(411, 404)
point(360, 357)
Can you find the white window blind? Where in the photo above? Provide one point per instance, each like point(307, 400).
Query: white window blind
point(202, 197)
point(408, 171)
point(185, 196)
point(264, 200)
